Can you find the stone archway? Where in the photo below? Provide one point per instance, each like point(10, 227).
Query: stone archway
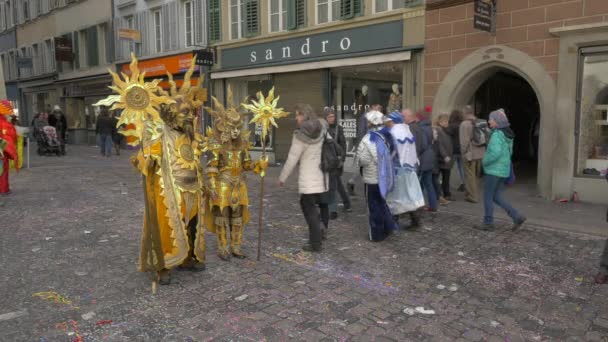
point(460, 84)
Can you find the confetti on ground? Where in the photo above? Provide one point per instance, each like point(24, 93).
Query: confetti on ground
point(409, 311)
point(36, 249)
point(579, 279)
point(460, 254)
point(54, 297)
point(382, 322)
point(13, 315)
point(494, 324)
point(299, 258)
point(441, 287)
point(48, 238)
point(103, 322)
point(453, 288)
point(88, 316)
point(422, 310)
point(338, 322)
point(241, 298)
point(87, 232)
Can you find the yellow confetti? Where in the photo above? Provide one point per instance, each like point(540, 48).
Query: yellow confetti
point(578, 278)
point(54, 297)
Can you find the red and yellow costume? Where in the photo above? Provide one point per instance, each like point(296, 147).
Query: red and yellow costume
point(8, 144)
point(169, 159)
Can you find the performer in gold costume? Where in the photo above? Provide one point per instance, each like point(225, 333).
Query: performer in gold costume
point(169, 160)
point(229, 159)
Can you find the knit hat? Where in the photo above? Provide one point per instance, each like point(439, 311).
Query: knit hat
point(500, 118)
point(374, 117)
point(6, 108)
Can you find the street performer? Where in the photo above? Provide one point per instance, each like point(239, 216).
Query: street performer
point(169, 160)
point(228, 146)
point(8, 145)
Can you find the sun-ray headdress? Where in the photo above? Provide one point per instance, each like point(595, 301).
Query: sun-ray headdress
point(265, 111)
point(140, 101)
point(193, 97)
point(226, 118)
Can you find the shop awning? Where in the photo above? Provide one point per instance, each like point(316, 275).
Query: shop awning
point(383, 58)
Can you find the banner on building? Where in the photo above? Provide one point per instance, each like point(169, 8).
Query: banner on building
point(129, 34)
point(63, 49)
point(174, 65)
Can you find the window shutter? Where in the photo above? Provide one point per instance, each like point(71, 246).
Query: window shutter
point(252, 18)
point(108, 42)
point(358, 7)
point(92, 47)
point(296, 14)
point(215, 26)
point(174, 36)
point(346, 9)
point(200, 37)
point(76, 50)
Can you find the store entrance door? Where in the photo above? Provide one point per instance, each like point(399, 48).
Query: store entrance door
point(507, 90)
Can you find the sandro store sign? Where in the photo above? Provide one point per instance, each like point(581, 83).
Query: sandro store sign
point(336, 44)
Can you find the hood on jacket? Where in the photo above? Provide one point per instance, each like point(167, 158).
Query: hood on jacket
point(311, 131)
point(508, 132)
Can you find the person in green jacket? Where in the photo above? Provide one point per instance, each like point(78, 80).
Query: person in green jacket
point(497, 169)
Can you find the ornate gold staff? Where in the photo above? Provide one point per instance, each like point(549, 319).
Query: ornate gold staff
point(265, 112)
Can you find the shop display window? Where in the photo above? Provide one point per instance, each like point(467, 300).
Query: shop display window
point(356, 89)
point(245, 89)
point(592, 125)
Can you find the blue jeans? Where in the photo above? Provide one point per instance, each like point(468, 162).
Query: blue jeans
point(105, 142)
point(493, 188)
point(426, 178)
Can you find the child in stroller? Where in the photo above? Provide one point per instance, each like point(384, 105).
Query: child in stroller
point(48, 142)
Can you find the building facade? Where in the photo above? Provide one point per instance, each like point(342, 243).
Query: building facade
point(545, 65)
point(346, 54)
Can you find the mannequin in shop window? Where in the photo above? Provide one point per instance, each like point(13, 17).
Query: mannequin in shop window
point(394, 101)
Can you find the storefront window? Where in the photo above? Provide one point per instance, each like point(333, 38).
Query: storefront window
point(245, 89)
point(593, 113)
point(356, 89)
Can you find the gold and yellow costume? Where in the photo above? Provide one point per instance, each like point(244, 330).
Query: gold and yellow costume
point(169, 160)
point(228, 160)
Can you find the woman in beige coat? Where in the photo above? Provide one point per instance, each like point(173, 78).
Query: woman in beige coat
point(313, 184)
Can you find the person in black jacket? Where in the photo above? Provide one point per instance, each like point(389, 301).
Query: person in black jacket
point(456, 118)
point(337, 133)
point(423, 133)
point(105, 128)
point(57, 119)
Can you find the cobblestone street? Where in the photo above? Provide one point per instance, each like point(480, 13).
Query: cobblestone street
point(69, 247)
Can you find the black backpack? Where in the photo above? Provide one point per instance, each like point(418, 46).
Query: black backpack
point(331, 155)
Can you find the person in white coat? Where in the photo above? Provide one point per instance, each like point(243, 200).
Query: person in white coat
point(375, 159)
point(313, 184)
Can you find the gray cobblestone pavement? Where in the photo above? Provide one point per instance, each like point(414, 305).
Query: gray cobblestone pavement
point(70, 236)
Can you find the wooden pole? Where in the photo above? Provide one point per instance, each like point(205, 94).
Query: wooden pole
point(261, 208)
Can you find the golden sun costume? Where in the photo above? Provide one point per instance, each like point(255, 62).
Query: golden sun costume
point(228, 161)
point(169, 160)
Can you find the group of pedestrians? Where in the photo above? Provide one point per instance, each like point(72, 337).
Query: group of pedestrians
point(50, 128)
point(405, 162)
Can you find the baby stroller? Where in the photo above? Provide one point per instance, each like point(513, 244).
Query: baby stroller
point(48, 143)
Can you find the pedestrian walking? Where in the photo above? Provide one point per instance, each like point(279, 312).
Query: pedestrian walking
point(104, 129)
point(423, 133)
point(116, 136)
point(473, 139)
point(362, 127)
point(337, 133)
point(313, 184)
point(57, 119)
point(377, 172)
point(497, 169)
point(445, 158)
point(406, 195)
point(453, 130)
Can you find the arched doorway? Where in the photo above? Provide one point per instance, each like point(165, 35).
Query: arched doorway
point(477, 72)
point(506, 89)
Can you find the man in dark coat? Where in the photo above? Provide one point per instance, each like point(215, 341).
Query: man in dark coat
point(105, 128)
point(423, 133)
point(337, 133)
point(58, 120)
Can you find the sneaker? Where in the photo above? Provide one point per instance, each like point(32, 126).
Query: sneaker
point(333, 215)
point(443, 201)
point(485, 227)
point(470, 200)
point(461, 188)
point(347, 208)
point(518, 224)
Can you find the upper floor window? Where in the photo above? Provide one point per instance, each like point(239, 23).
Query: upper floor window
point(278, 15)
point(158, 31)
point(389, 5)
point(244, 18)
point(189, 22)
point(26, 10)
point(328, 11)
